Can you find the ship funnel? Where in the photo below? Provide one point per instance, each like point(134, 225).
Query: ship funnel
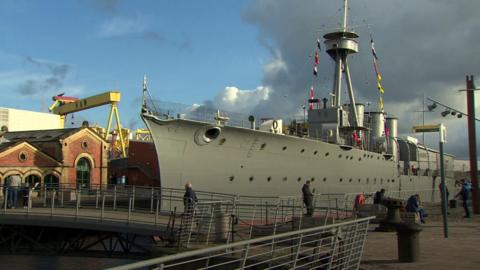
point(377, 132)
point(391, 133)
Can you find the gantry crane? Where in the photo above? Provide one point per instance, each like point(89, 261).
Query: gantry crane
point(64, 105)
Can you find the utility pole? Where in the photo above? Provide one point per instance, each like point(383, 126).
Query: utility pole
point(472, 142)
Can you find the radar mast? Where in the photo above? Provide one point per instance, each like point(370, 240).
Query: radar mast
point(339, 45)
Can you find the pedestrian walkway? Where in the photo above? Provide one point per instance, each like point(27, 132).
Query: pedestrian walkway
point(460, 251)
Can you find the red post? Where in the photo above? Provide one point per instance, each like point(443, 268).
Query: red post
point(472, 143)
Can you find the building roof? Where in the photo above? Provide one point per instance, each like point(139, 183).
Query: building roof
point(40, 135)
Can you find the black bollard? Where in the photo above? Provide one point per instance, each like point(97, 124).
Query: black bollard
point(408, 239)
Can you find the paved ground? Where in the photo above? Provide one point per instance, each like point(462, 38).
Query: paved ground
point(461, 250)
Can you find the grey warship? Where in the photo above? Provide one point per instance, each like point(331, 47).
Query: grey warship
point(266, 161)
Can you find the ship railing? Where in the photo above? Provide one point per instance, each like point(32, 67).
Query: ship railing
point(335, 246)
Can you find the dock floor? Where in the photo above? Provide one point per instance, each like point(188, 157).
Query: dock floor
point(461, 250)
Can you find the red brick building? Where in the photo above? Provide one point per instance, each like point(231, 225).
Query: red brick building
point(77, 156)
point(140, 168)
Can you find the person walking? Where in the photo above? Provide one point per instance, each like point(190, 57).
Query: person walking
point(444, 204)
point(359, 202)
point(15, 181)
point(26, 194)
point(189, 199)
point(464, 194)
point(379, 195)
point(6, 185)
point(307, 198)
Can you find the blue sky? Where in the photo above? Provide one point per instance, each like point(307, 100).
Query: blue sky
point(190, 50)
point(252, 56)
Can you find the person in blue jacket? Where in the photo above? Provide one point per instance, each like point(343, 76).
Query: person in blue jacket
point(464, 194)
point(189, 198)
point(413, 206)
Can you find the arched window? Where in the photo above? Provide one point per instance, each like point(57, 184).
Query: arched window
point(32, 179)
point(83, 173)
point(51, 181)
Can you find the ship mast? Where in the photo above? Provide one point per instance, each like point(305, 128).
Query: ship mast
point(339, 45)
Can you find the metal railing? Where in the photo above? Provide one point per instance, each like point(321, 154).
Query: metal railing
point(336, 246)
point(216, 218)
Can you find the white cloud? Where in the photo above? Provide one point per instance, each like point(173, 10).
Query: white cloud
point(120, 26)
point(237, 100)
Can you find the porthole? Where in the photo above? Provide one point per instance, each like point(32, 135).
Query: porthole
point(359, 180)
point(388, 180)
point(393, 180)
point(302, 151)
point(324, 179)
point(327, 153)
point(364, 155)
point(368, 180)
point(341, 179)
point(350, 180)
point(359, 159)
point(339, 156)
point(84, 144)
point(65, 144)
point(241, 166)
point(263, 146)
point(251, 178)
point(22, 156)
point(284, 179)
point(378, 157)
point(410, 179)
point(284, 148)
point(346, 157)
point(315, 152)
point(231, 178)
point(299, 179)
point(351, 157)
point(269, 178)
point(312, 179)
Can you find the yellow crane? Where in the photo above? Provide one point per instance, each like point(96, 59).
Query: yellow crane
point(64, 105)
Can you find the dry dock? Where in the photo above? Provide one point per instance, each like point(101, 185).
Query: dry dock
point(460, 251)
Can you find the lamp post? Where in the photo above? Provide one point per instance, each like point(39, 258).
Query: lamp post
point(472, 142)
point(442, 131)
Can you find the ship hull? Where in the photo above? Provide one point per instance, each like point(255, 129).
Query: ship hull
point(255, 163)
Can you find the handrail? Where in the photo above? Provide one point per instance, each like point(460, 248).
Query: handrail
point(232, 246)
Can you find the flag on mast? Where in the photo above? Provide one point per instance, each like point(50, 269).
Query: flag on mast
point(318, 44)
point(315, 70)
point(317, 58)
point(373, 48)
point(312, 96)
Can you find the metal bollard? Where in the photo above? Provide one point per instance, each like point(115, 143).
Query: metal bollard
point(6, 200)
point(408, 241)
